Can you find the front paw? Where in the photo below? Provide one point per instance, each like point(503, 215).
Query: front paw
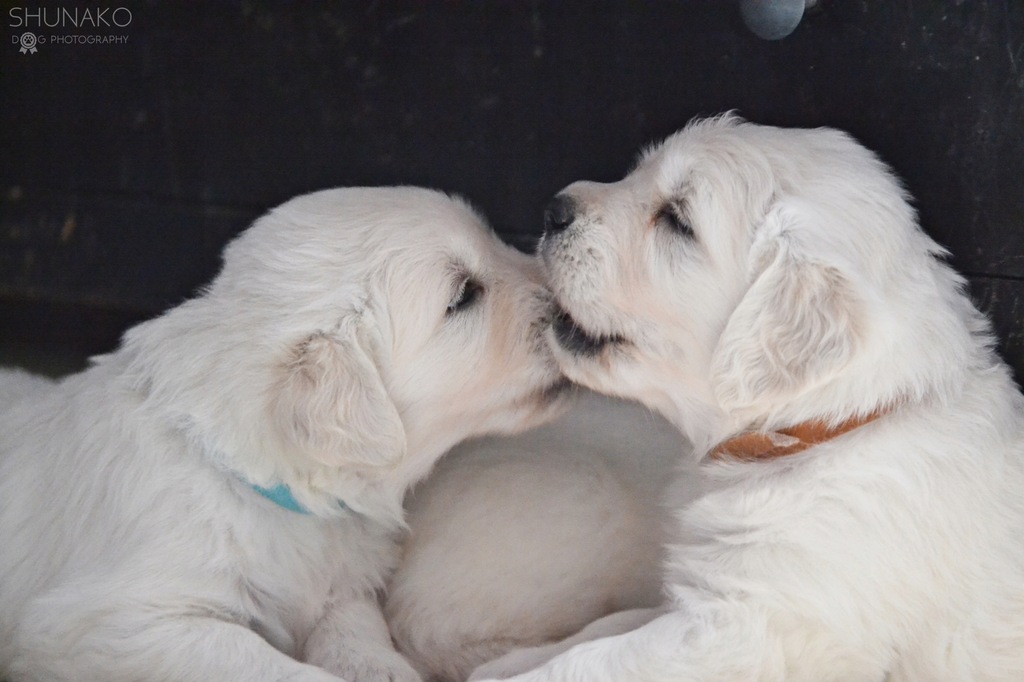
point(511, 664)
point(380, 665)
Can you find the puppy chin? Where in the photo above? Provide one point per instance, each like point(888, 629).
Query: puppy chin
point(584, 362)
point(554, 399)
point(550, 401)
point(529, 411)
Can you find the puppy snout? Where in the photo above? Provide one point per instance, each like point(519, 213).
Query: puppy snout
point(559, 214)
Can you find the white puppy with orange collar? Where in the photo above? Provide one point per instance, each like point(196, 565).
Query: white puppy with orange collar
point(861, 511)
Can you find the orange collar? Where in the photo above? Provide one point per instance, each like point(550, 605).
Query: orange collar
point(754, 446)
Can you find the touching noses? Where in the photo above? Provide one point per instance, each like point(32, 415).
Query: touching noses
point(559, 214)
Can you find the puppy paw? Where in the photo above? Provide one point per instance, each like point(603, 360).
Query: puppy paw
point(375, 666)
point(512, 664)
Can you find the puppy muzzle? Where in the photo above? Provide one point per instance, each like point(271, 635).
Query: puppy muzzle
point(559, 214)
point(578, 341)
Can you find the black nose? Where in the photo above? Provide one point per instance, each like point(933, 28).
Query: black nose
point(559, 214)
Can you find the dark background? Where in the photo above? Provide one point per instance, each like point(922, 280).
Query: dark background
point(124, 168)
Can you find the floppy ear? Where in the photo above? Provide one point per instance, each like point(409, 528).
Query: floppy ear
point(331, 404)
point(794, 328)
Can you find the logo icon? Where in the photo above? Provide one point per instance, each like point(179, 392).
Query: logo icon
point(28, 43)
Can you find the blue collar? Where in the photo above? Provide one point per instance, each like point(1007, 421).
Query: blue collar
point(282, 496)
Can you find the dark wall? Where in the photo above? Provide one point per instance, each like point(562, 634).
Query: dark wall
point(124, 167)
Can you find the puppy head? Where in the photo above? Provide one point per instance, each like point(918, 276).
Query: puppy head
point(364, 330)
point(744, 274)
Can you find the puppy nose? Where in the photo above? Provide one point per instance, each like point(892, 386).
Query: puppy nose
point(559, 214)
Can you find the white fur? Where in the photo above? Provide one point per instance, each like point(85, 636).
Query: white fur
point(17, 384)
point(323, 357)
point(894, 552)
point(520, 541)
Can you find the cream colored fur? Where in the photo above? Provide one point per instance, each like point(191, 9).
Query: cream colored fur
point(337, 353)
point(794, 284)
point(520, 541)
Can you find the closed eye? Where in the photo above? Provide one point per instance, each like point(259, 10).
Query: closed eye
point(467, 293)
point(669, 216)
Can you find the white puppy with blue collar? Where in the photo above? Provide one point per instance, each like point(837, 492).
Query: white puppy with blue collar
point(219, 498)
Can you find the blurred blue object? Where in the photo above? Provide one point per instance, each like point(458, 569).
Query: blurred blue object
point(772, 19)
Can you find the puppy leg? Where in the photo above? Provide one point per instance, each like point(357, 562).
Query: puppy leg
point(353, 642)
point(724, 641)
point(124, 647)
point(523, 660)
point(670, 648)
